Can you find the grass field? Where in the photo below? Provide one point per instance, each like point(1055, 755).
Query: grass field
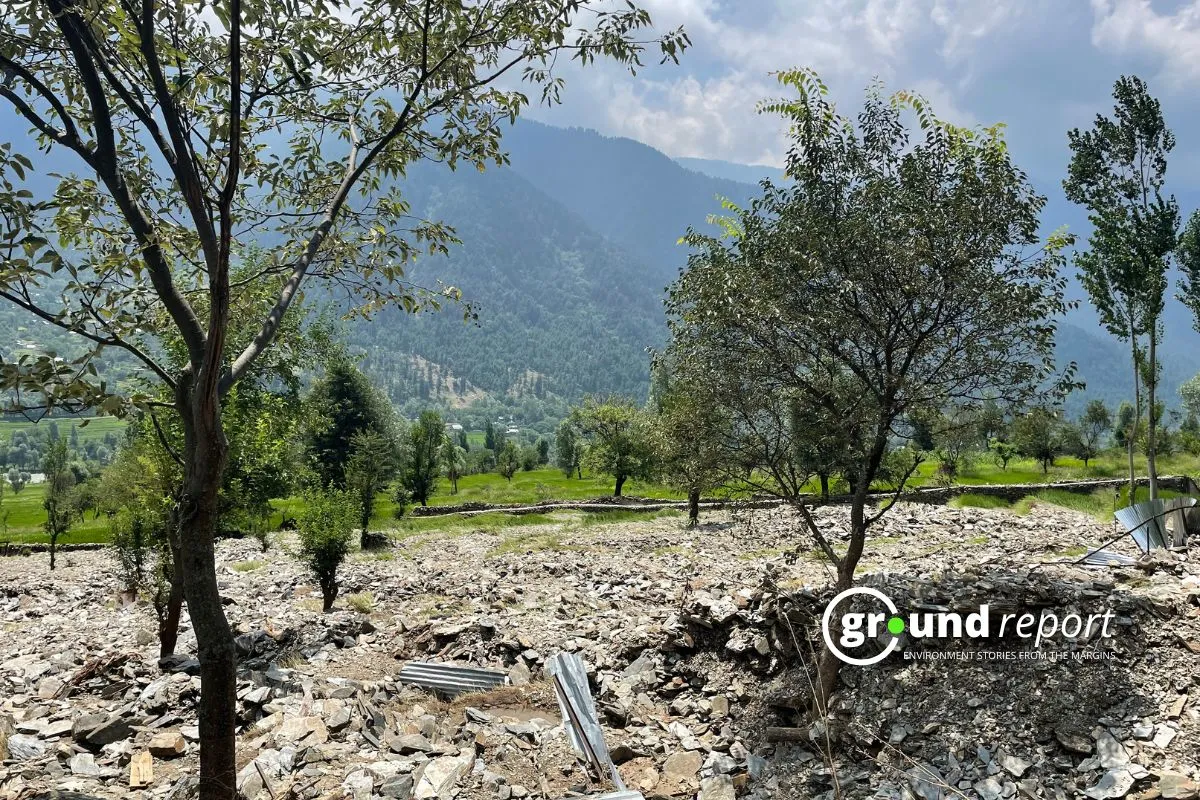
point(95, 429)
point(25, 517)
point(1100, 504)
point(1022, 470)
point(525, 487)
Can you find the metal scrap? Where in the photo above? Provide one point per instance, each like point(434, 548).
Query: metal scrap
point(1156, 524)
point(449, 679)
point(1107, 558)
point(579, 716)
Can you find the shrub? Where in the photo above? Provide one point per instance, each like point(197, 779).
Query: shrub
point(325, 527)
point(363, 602)
point(402, 499)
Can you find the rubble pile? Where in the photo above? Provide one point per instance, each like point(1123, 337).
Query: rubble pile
point(699, 646)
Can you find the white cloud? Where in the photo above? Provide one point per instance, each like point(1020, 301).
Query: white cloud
point(706, 106)
point(1134, 26)
point(712, 118)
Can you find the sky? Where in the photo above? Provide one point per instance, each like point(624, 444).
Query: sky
point(1041, 67)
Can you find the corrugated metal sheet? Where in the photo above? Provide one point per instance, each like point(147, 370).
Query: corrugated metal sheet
point(450, 679)
point(1105, 558)
point(625, 794)
point(1156, 524)
point(579, 714)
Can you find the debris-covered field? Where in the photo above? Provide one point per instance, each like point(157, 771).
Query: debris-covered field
point(696, 642)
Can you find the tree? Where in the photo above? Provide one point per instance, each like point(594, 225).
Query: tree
point(342, 405)
point(1003, 451)
point(1188, 256)
point(1095, 423)
point(17, 479)
point(174, 112)
point(325, 527)
point(850, 287)
point(619, 439)
point(568, 449)
point(139, 493)
point(454, 461)
point(420, 475)
point(1189, 395)
point(528, 458)
point(955, 441)
point(1127, 430)
point(371, 466)
point(508, 460)
point(1038, 434)
point(690, 432)
point(543, 452)
point(1117, 172)
point(820, 443)
point(58, 503)
point(489, 437)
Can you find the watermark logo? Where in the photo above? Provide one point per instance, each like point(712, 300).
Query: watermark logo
point(857, 627)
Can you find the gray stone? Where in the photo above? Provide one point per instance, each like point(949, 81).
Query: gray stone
point(682, 768)
point(23, 748)
point(359, 785)
point(250, 778)
point(1110, 752)
point(1073, 742)
point(302, 730)
point(718, 787)
point(84, 765)
point(398, 786)
point(438, 777)
point(59, 727)
point(1114, 784)
point(1163, 736)
point(411, 743)
point(86, 723)
point(989, 789)
point(114, 729)
point(719, 764)
point(1177, 786)
point(1013, 765)
point(926, 782)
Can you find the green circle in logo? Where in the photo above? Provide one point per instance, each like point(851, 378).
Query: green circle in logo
point(896, 626)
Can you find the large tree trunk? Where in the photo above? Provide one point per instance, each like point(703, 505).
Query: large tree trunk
point(824, 486)
point(204, 461)
point(1151, 432)
point(829, 666)
point(620, 483)
point(53, 543)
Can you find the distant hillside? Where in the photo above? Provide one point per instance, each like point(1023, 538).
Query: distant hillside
point(728, 170)
point(633, 195)
point(562, 312)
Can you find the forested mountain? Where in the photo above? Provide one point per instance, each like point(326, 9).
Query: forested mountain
point(565, 256)
point(561, 311)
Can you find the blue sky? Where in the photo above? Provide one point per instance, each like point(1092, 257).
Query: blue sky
point(1041, 66)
